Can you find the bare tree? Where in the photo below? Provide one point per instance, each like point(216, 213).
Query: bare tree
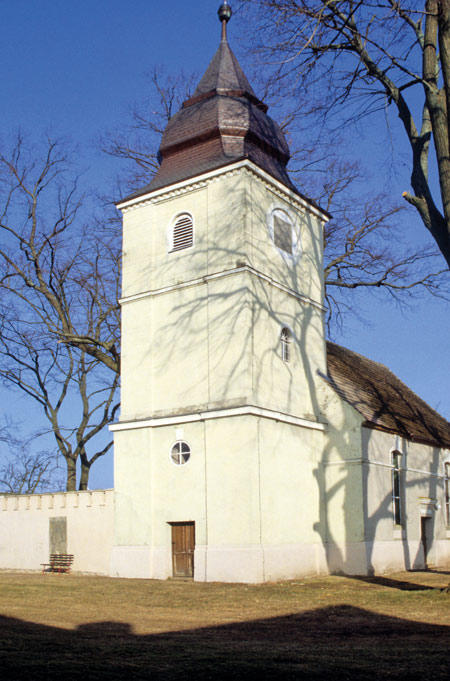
point(59, 333)
point(364, 248)
point(23, 470)
point(58, 270)
point(27, 473)
point(361, 57)
point(77, 399)
point(138, 139)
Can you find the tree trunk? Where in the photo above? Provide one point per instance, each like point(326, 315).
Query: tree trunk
point(444, 51)
point(84, 479)
point(437, 106)
point(71, 484)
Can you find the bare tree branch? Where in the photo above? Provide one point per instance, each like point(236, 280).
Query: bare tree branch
point(371, 53)
point(22, 470)
point(59, 316)
point(362, 244)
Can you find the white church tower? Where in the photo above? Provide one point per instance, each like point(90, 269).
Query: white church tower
point(222, 331)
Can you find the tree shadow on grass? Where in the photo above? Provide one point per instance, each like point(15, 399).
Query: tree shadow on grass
point(393, 583)
point(432, 570)
point(338, 643)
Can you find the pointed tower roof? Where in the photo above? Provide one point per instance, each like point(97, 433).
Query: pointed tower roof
point(223, 74)
point(223, 122)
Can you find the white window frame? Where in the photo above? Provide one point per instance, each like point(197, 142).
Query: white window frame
point(171, 230)
point(293, 219)
point(182, 461)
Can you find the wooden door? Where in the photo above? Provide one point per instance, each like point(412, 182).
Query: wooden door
point(183, 545)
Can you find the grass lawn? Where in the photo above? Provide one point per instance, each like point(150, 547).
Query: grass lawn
point(78, 627)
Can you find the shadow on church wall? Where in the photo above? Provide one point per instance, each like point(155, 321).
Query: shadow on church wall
point(210, 335)
point(372, 502)
point(243, 320)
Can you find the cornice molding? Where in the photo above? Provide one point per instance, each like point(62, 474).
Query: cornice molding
point(247, 410)
point(201, 181)
point(219, 275)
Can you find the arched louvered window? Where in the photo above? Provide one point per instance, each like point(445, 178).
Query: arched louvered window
point(285, 340)
point(182, 232)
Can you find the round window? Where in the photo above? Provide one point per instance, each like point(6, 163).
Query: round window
point(180, 453)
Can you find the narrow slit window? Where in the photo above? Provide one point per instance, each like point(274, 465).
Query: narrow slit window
point(447, 492)
point(182, 232)
point(396, 479)
point(285, 341)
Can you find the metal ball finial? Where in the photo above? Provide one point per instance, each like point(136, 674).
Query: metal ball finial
point(224, 11)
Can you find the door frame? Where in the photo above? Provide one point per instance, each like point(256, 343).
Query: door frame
point(426, 537)
point(190, 552)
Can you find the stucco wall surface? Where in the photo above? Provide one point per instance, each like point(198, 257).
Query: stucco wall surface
point(301, 271)
point(357, 502)
point(25, 529)
point(198, 309)
point(249, 486)
point(421, 496)
point(270, 498)
point(231, 217)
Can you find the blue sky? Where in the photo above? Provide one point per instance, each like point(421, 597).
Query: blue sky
point(76, 68)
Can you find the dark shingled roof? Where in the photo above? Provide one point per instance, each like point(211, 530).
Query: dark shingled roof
point(382, 399)
point(223, 122)
point(224, 73)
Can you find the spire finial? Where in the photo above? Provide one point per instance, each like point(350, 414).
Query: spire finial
point(224, 13)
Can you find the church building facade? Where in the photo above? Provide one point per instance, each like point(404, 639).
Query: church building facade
point(248, 448)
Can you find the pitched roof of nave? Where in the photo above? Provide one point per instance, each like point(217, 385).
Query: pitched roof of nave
point(222, 123)
point(384, 401)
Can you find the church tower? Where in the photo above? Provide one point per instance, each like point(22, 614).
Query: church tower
point(222, 342)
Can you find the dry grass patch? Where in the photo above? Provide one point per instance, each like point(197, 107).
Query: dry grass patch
point(341, 628)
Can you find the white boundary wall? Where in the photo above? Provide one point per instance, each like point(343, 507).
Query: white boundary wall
point(24, 529)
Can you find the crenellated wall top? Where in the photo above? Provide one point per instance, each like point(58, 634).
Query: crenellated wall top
point(57, 501)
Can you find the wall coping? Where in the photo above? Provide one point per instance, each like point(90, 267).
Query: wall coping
point(57, 501)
